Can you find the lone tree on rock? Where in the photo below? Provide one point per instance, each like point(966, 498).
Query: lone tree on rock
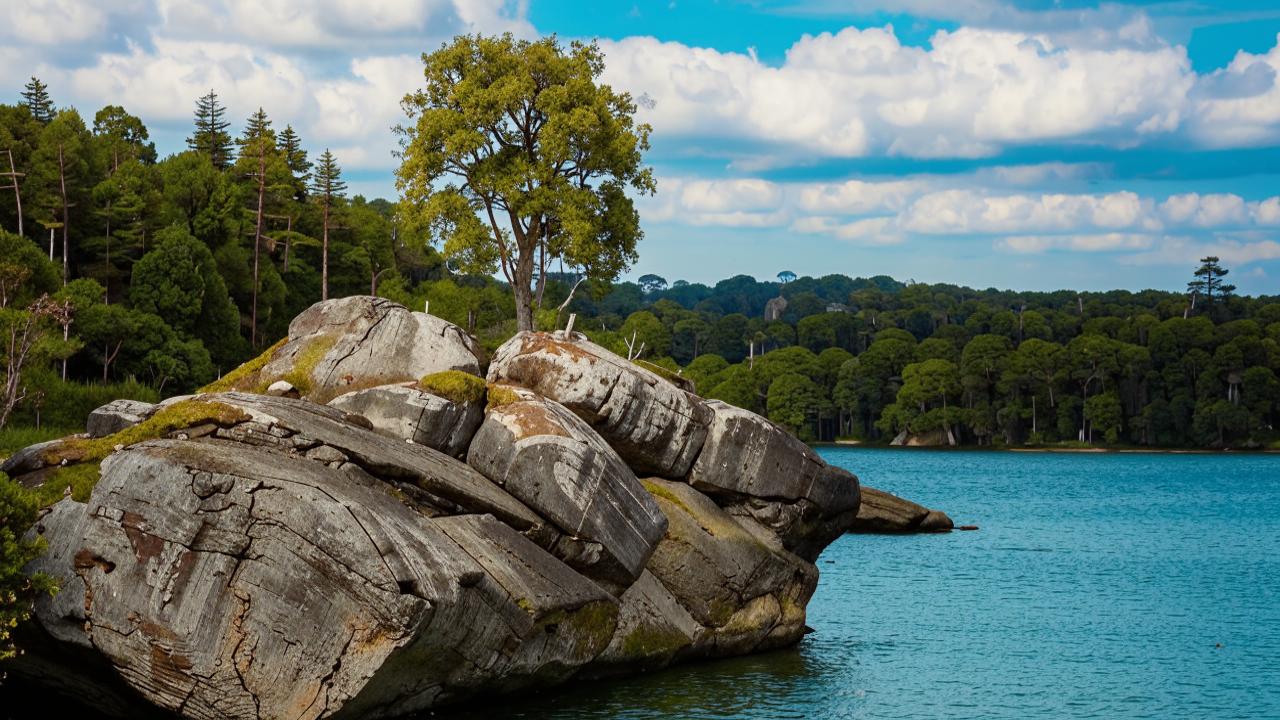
point(515, 156)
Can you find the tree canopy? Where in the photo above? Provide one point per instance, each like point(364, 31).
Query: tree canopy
point(515, 156)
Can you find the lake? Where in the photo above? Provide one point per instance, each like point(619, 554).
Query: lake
point(1118, 585)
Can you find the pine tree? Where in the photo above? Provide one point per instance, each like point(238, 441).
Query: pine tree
point(210, 136)
point(290, 145)
point(36, 95)
point(327, 186)
point(1209, 280)
point(262, 163)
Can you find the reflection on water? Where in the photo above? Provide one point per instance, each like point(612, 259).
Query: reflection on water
point(1100, 586)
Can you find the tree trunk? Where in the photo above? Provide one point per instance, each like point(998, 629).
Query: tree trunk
point(106, 280)
point(324, 253)
point(257, 243)
point(62, 183)
point(521, 287)
point(17, 195)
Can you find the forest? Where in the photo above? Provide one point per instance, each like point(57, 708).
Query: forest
point(123, 274)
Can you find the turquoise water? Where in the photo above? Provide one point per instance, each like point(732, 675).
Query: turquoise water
point(1100, 586)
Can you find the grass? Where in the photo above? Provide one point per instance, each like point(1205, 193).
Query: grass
point(454, 385)
point(16, 437)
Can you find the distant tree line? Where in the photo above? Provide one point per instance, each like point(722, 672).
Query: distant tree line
point(874, 358)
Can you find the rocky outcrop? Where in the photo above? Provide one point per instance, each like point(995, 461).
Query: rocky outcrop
point(118, 415)
point(882, 512)
point(246, 555)
point(406, 412)
point(338, 346)
point(654, 425)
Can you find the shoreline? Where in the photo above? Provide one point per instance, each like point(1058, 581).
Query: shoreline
point(1086, 450)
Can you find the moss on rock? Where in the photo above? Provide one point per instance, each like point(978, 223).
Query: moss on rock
point(304, 364)
point(75, 462)
point(454, 385)
point(500, 395)
point(245, 376)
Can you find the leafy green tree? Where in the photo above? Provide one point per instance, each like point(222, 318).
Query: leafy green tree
point(652, 283)
point(1103, 413)
point(705, 372)
point(178, 281)
point(210, 137)
point(516, 156)
point(121, 137)
point(644, 328)
point(328, 189)
point(792, 398)
point(36, 95)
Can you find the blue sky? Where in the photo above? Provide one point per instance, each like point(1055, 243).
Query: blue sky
point(1030, 145)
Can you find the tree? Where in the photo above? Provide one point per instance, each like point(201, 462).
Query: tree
point(122, 137)
point(211, 138)
point(22, 334)
point(792, 397)
point(786, 276)
point(1209, 280)
point(262, 164)
point(652, 283)
point(290, 145)
point(36, 95)
point(60, 169)
point(178, 281)
point(328, 188)
point(515, 156)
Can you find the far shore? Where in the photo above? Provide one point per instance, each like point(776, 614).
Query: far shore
point(990, 448)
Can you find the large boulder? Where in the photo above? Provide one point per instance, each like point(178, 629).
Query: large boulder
point(410, 412)
point(118, 415)
point(338, 346)
point(655, 426)
point(731, 574)
point(745, 454)
point(551, 460)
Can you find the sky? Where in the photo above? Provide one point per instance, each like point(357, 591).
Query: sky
point(1023, 144)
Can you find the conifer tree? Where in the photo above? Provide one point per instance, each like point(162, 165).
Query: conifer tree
point(1209, 280)
point(36, 95)
point(210, 136)
point(262, 163)
point(327, 186)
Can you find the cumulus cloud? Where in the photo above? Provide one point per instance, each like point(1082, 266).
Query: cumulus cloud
point(1240, 104)
point(861, 92)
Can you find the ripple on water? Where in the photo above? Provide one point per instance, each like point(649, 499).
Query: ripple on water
point(1100, 586)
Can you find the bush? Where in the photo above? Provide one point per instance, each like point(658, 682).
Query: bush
point(18, 590)
point(68, 404)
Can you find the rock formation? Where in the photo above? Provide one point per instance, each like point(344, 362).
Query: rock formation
point(401, 535)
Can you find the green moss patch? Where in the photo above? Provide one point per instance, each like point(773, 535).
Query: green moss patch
point(500, 395)
point(649, 641)
point(304, 364)
point(454, 385)
point(177, 416)
point(245, 376)
point(76, 462)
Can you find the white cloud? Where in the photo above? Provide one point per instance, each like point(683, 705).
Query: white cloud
point(1240, 104)
point(1215, 210)
point(861, 92)
point(969, 211)
point(1101, 242)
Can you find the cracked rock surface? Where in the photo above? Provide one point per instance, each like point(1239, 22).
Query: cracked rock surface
point(254, 556)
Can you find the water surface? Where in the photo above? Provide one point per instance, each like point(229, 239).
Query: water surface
point(1100, 586)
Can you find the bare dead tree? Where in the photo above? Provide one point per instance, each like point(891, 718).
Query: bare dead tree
point(21, 336)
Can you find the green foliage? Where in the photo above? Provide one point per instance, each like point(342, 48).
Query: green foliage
point(18, 590)
point(454, 385)
point(522, 129)
point(792, 397)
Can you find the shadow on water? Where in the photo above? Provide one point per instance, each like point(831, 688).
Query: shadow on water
point(756, 686)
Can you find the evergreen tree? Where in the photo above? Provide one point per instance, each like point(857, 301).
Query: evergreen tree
point(263, 165)
point(1209, 280)
point(290, 145)
point(36, 95)
point(327, 186)
point(210, 136)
